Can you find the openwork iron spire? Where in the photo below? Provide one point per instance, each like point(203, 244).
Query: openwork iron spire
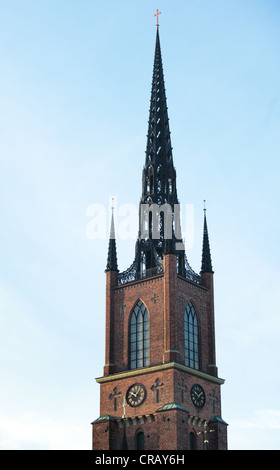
point(159, 213)
point(159, 175)
point(159, 194)
point(206, 265)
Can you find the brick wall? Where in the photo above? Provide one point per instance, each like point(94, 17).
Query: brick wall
point(165, 297)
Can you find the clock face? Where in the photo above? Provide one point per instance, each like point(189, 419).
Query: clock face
point(135, 395)
point(198, 396)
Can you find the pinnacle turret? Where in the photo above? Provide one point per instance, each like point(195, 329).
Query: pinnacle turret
point(112, 263)
point(206, 265)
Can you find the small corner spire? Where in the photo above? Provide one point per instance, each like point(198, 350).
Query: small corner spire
point(112, 229)
point(112, 263)
point(206, 265)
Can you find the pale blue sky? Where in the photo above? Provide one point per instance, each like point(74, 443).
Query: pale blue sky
point(75, 82)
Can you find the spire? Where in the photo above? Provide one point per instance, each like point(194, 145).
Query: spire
point(112, 264)
point(157, 219)
point(159, 214)
point(159, 176)
point(206, 265)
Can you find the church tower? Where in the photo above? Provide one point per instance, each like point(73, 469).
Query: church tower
point(160, 388)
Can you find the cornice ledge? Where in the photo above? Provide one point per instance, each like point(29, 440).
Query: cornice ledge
point(159, 368)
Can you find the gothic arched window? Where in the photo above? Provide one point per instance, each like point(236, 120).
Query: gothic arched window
point(139, 337)
point(192, 441)
point(140, 440)
point(191, 337)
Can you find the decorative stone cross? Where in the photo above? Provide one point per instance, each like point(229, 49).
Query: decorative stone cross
point(154, 299)
point(183, 389)
point(213, 398)
point(114, 396)
point(157, 387)
point(122, 308)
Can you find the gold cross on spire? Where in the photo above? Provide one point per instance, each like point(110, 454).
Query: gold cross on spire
point(156, 14)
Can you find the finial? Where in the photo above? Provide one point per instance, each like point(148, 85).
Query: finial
point(156, 14)
point(204, 200)
point(112, 206)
